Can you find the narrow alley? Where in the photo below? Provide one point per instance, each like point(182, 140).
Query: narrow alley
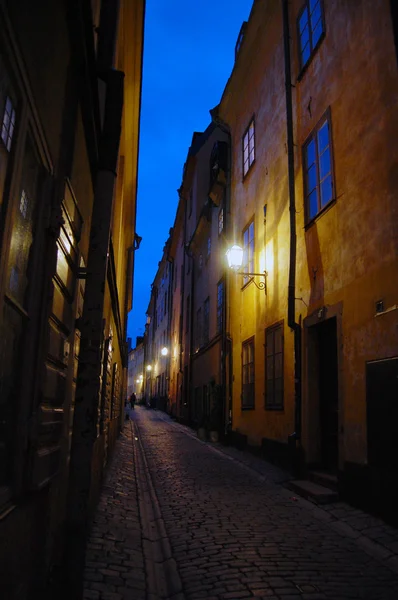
point(183, 519)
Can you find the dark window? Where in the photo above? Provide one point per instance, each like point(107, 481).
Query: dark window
point(220, 221)
point(274, 367)
point(220, 305)
point(8, 125)
point(208, 248)
point(248, 148)
point(248, 374)
point(248, 251)
point(206, 315)
point(318, 176)
point(310, 29)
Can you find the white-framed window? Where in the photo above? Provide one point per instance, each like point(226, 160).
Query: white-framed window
point(248, 250)
point(8, 124)
point(248, 147)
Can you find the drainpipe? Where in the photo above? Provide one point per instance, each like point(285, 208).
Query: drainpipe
point(295, 437)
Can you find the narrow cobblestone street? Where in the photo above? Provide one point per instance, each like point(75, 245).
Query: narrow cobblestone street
point(180, 518)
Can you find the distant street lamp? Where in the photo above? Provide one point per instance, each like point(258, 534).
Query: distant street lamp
point(164, 351)
point(149, 368)
point(235, 260)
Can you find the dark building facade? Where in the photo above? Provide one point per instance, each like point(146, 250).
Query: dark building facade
point(70, 88)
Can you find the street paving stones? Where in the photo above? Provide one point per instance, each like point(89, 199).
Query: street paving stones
point(183, 519)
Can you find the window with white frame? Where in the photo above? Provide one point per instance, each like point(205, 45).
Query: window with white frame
point(310, 29)
point(248, 148)
point(8, 124)
point(318, 174)
point(248, 250)
point(220, 221)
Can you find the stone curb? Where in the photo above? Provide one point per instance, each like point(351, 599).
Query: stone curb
point(163, 579)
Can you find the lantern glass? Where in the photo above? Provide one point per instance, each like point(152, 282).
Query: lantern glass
point(235, 257)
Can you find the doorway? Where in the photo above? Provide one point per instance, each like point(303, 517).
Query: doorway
point(323, 394)
point(326, 333)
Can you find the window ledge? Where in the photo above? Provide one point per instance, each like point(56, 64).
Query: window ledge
point(320, 214)
point(248, 408)
point(250, 169)
point(274, 408)
point(311, 58)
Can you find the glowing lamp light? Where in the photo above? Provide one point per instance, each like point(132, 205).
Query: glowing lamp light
point(164, 351)
point(235, 257)
point(149, 368)
point(137, 380)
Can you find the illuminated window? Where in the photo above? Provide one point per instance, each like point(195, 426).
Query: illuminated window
point(248, 251)
point(248, 374)
point(318, 176)
point(248, 148)
point(220, 221)
point(8, 126)
point(23, 204)
point(274, 367)
point(310, 29)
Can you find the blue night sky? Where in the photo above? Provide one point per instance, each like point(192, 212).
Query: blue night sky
point(188, 56)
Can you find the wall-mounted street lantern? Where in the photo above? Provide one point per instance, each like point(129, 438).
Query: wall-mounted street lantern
point(235, 260)
point(149, 368)
point(164, 351)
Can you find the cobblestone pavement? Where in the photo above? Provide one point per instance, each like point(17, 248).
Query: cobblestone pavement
point(183, 519)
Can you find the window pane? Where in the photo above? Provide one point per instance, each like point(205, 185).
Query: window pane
point(324, 164)
point(313, 204)
point(270, 343)
point(326, 190)
point(315, 10)
point(303, 21)
point(310, 154)
point(270, 367)
point(312, 179)
point(323, 137)
point(278, 365)
point(304, 37)
point(305, 54)
point(278, 339)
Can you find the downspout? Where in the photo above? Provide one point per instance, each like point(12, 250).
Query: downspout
point(294, 326)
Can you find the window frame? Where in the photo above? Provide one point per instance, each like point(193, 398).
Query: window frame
point(326, 117)
point(252, 375)
point(248, 265)
point(246, 133)
point(220, 307)
point(271, 330)
point(11, 124)
point(313, 49)
point(220, 220)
